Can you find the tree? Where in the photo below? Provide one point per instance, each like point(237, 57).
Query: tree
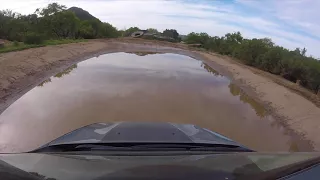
point(235, 37)
point(232, 41)
point(109, 31)
point(64, 24)
point(131, 30)
point(297, 51)
point(250, 50)
point(268, 42)
point(197, 38)
point(153, 30)
point(50, 9)
point(172, 33)
point(12, 26)
point(270, 61)
point(85, 30)
point(303, 52)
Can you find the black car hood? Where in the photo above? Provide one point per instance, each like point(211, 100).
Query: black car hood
point(38, 166)
point(142, 132)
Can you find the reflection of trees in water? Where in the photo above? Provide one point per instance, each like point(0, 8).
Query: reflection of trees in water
point(59, 75)
point(209, 69)
point(42, 177)
point(293, 147)
point(44, 82)
point(143, 53)
point(67, 71)
point(236, 91)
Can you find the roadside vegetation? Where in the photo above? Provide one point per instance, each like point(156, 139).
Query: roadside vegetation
point(55, 24)
point(18, 46)
point(51, 25)
point(293, 65)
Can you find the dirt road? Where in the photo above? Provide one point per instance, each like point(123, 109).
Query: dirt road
point(21, 71)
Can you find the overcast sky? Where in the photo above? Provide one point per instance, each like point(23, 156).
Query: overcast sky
point(290, 23)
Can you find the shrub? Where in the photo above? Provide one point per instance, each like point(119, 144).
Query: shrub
point(15, 43)
point(33, 38)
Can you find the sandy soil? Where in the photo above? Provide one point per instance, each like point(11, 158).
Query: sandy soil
point(293, 110)
point(21, 71)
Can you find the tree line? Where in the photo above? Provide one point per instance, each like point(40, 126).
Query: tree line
point(57, 22)
point(265, 55)
point(51, 22)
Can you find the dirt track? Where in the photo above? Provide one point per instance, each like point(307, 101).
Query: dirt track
point(20, 71)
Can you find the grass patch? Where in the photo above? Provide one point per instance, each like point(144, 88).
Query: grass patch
point(63, 41)
point(19, 46)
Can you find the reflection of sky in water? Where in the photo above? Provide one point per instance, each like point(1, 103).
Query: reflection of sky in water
point(167, 63)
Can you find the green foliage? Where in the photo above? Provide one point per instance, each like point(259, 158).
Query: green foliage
point(66, 71)
point(33, 38)
point(153, 30)
point(86, 31)
point(19, 48)
point(198, 38)
point(263, 54)
point(171, 33)
point(108, 31)
point(64, 24)
point(62, 41)
point(15, 43)
point(22, 46)
point(53, 22)
point(129, 31)
point(50, 9)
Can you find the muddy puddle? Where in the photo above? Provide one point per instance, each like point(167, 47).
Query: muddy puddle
point(139, 87)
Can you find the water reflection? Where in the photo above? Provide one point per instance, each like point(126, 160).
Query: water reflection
point(129, 87)
point(144, 53)
point(59, 75)
point(67, 71)
point(209, 69)
point(236, 91)
point(40, 177)
point(45, 82)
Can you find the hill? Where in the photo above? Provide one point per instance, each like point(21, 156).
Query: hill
point(82, 14)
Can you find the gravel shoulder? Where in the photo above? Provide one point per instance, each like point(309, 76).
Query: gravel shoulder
point(21, 71)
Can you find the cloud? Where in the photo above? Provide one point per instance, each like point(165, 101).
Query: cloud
point(290, 23)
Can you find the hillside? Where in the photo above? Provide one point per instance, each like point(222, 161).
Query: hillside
point(82, 14)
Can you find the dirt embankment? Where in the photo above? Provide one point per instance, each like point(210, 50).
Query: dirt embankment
point(20, 71)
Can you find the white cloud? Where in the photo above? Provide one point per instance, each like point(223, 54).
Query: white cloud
point(274, 19)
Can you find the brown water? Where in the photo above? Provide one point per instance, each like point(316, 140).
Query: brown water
point(130, 87)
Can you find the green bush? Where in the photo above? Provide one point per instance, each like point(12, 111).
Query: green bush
point(33, 38)
point(15, 43)
point(265, 55)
